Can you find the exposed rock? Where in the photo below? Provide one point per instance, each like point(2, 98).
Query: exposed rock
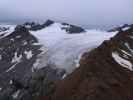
point(40, 83)
point(72, 28)
point(2, 29)
point(36, 26)
point(15, 63)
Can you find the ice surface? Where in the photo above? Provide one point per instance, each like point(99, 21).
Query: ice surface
point(60, 49)
point(63, 49)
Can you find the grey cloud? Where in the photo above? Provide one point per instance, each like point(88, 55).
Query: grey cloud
point(88, 13)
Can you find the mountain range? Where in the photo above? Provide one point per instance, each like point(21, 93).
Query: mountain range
point(60, 61)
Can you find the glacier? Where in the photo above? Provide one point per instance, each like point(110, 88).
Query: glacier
point(65, 50)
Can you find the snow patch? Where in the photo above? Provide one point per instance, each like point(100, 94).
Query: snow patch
point(126, 28)
point(8, 31)
point(64, 76)
point(43, 49)
point(126, 53)
point(130, 37)
point(11, 68)
point(36, 44)
point(129, 48)
point(12, 39)
point(11, 82)
point(0, 57)
point(25, 43)
point(77, 61)
point(16, 58)
point(28, 26)
point(124, 63)
point(35, 65)
point(0, 88)
point(19, 36)
point(28, 54)
point(15, 95)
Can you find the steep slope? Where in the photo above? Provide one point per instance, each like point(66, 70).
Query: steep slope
point(105, 73)
point(17, 54)
point(19, 51)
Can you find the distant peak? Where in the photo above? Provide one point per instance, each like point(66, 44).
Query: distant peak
point(34, 26)
point(20, 28)
point(122, 28)
point(48, 22)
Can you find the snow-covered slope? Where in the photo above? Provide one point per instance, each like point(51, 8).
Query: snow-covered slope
point(63, 49)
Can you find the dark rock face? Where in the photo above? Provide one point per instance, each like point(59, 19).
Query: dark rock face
point(67, 27)
point(2, 29)
point(19, 50)
point(99, 76)
point(40, 83)
point(48, 22)
point(36, 26)
point(14, 61)
point(120, 28)
point(72, 28)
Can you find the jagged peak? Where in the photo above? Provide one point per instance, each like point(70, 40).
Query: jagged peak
point(34, 26)
point(69, 28)
point(122, 28)
point(21, 28)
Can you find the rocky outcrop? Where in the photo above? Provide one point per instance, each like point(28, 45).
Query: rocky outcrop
point(121, 28)
point(2, 29)
point(19, 80)
point(36, 26)
point(67, 27)
point(17, 56)
point(18, 53)
point(72, 28)
point(37, 84)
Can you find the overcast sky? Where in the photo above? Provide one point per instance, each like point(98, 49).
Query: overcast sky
point(82, 12)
